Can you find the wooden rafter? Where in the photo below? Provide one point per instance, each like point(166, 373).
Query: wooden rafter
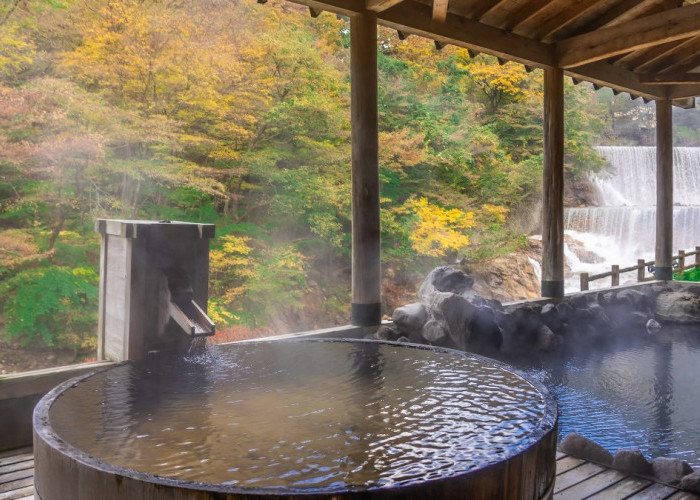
point(634, 59)
point(564, 18)
point(685, 66)
point(670, 78)
point(440, 10)
point(497, 15)
point(621, 13)
point(617, 78)
point(648, 31)
point(527, 11)
point(676, 55)
point(416, 18)
point(381, 5)
point(480, 9)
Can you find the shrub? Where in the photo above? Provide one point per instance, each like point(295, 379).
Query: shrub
point(52, 307)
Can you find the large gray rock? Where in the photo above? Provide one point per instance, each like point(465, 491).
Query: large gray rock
point(457, 313)
point(484, 334)
point(632, 461)
point(445, 279)
point(670, 470)
point(580, 447)
point(410, 318)
point(678, 307)
point(434, 332)
point(546, 339)
point(691, 482)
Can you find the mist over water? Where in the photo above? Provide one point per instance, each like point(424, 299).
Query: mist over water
point(622, 228)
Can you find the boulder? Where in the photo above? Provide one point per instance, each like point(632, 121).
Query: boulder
point(678, 307)
point(484, 334)
point(457, 313)
point(410, 318)
point(580, 447)
point(670, 470)
point(632, 461)
point(445, 279)
point(546, 339)
point(434, 332)
point(691, 482)
point(653, 327)
point(386, 332)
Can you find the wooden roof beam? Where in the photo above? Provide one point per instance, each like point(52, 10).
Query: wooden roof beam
point(676, 55)
point(526, 12)
point(621, 13)
point(674, 24)
point(416, 18)
point(440, 10)
point(565, 18)
point(381, 5)
point(633, 60)
point(670, 78)
point(618, 78)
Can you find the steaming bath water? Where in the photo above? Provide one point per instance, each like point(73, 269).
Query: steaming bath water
point(638, 393)
point(305, 416)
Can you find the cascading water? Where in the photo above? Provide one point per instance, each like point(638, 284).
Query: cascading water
point(622, 228)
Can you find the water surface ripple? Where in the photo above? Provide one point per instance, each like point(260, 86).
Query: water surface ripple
point(303, 415)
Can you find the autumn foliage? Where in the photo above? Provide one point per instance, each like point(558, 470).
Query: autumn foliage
point(236, 113)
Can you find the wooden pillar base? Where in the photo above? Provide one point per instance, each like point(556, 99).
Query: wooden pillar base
point(552, 289)
point(366, 314)
point(663, 273)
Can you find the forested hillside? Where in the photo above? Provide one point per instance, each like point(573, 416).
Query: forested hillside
point(235, 113)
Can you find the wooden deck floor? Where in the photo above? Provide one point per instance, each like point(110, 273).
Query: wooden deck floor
point(576, 480)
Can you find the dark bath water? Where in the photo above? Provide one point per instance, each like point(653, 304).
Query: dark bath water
point(640, 392)
point(305, 415)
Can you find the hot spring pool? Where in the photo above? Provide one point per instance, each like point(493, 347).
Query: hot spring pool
point(638, 392)
point(321, 419)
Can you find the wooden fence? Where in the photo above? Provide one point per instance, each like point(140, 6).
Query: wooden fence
point(679, 265)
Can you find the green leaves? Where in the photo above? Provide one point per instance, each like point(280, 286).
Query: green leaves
point(51, 307)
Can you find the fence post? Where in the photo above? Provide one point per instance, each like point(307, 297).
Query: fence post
point(584, 282)
point(641, 269)
point(681, 261)
point(615, 276)
point(697, 256)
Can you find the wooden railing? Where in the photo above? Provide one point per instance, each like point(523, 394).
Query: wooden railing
point(679, 265)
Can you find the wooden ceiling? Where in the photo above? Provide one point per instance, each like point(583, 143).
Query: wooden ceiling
point(649, 48)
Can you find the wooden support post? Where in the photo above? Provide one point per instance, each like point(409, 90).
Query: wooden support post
point(584, 282)
point(697, 256)
point(615, 275)
point(681, 261)
point(664, 191)
point(553, 185)
point(366, 268)
point(641, 270)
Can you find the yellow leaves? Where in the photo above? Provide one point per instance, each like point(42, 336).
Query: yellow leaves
point(438, 230)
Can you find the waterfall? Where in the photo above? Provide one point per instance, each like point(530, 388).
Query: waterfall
point(622, 228)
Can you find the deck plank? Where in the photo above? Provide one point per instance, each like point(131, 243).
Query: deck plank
point(591, 486)
point(576, 475)
point(656, 491)
point(683, 495)
point(17, 484)
point(623, 489)
point(14, 476)
point(23, 457)
point(25, 493)
point(568, 463)
point(24, 464)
